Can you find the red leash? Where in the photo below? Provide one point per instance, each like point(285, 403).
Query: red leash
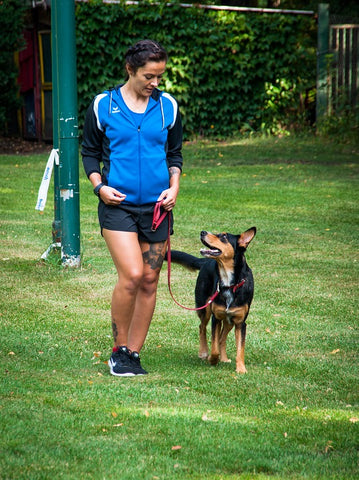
point(156, 222)
point(169, 277)
point(158, 217)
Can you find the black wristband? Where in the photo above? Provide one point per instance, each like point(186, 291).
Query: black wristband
point(96, 190)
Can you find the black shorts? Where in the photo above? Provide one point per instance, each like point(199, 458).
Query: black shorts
point(131, 218)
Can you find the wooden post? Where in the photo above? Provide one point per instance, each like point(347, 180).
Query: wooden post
point(322, 52)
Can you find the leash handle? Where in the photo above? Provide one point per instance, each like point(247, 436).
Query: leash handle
point(157, 216)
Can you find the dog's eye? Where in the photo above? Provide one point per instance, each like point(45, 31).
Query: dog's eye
point(223, 237)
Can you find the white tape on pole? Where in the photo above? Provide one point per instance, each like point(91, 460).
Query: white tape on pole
point(45, 182)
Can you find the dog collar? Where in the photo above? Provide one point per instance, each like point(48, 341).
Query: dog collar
point(233, 287)
point(239, 285)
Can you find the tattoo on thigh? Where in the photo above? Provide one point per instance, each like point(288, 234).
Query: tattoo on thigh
point(154, 256)
point(114, 330)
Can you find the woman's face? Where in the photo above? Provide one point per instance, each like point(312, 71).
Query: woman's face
point(147, 78)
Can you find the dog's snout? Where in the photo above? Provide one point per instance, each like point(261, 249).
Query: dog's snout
point(203, 233)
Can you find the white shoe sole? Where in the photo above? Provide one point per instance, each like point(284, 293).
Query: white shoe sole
point(127, 374)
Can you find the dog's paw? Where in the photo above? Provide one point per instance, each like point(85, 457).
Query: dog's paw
point(213, 359)
point(226, 360)
point(203, 355)
point(241, 369)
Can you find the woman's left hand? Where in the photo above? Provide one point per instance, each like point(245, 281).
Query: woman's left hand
point(168, 198)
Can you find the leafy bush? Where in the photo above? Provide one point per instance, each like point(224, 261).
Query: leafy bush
point(11, 25)
point(229, 71)
point(342, 123)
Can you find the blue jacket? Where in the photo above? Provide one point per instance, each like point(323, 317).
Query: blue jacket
point(136, 155)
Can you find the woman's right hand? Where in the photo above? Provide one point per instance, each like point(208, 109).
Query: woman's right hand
point(111, 196)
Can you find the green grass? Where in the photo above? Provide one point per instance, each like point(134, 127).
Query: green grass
point(293, 416)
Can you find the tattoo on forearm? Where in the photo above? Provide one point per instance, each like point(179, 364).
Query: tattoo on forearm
point(174, 171)
point(154, 256)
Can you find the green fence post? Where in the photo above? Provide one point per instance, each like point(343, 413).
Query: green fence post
point(68, 134)
point(322, 52)
point(56, 224)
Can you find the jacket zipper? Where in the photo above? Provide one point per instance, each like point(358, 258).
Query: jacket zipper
point(139, 141)
point(139, 162)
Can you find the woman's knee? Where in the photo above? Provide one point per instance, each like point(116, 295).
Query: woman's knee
point(131, 282)
point(149, 283)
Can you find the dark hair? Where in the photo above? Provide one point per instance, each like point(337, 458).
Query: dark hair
point(142, 52)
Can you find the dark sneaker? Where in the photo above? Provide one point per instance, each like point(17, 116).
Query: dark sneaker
point(120, 363)
point(136, 364)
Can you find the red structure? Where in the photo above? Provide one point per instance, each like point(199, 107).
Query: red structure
point(35, 76)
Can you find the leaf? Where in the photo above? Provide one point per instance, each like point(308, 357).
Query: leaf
point(335, 351)
point(114, 414)
point(176, 447)
point(329, 446)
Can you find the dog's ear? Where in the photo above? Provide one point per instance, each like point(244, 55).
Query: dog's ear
point(246, 237)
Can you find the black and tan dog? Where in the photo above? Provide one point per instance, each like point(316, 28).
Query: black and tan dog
point(224, 270)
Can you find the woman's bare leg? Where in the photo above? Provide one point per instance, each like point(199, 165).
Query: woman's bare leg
point(138, 266)
point(126, 254)
point(153, 255)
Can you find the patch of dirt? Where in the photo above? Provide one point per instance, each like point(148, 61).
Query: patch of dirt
point(19, 146)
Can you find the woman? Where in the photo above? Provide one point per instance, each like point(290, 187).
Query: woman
point(135, 130)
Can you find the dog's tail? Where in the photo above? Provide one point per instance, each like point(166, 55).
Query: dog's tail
point(186, 260)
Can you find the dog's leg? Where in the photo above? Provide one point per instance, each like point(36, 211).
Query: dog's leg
point(240, 334)
point(204, 316)
point(227, 327)
point(216, 330)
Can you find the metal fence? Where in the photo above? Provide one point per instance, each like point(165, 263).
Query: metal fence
point(344, 70)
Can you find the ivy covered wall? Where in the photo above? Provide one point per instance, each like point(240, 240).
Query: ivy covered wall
point(229, 71)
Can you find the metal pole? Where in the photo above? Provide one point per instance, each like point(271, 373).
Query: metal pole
point(56, 224)
point(322, 52)
point(68, 134)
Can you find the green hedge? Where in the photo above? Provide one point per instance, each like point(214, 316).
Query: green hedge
point(12, 14)
point(230, 72)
